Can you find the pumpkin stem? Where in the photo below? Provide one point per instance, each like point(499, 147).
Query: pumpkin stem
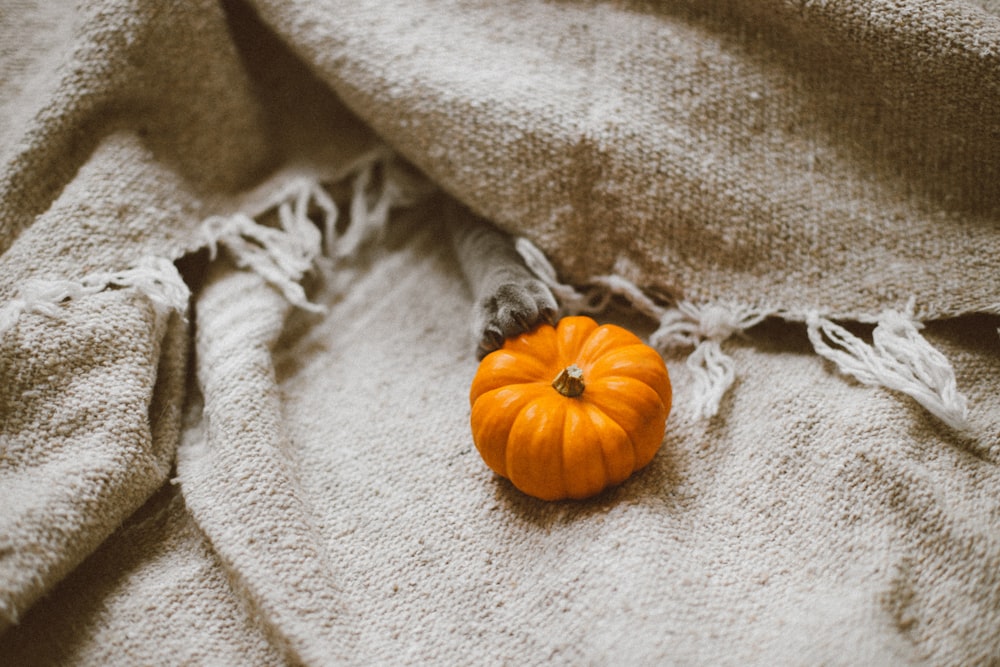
point(569, 382)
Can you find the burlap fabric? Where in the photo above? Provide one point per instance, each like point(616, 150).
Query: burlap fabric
point(200, 466)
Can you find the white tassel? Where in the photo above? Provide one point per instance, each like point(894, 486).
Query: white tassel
point(366, 222)
point(617, 286)
point(714, 373)
point(38, 296)
point(705, 327)
point(280, 258)
point(297, 217)
point(899, 359)
point(283, 255)
point(280, 255)
point(155, 277)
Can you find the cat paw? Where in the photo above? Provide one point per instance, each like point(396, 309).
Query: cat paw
point(510, 310)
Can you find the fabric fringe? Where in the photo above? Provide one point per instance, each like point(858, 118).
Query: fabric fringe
point(154, 277)
point(899, 359)
point(281, 256)
point(685, 324)
point(308, 217)
point(399, 187)
point(706, 327)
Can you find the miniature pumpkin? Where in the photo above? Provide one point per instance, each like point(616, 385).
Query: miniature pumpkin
point(566, 411)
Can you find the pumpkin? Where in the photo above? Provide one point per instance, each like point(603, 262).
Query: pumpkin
point(565, 411)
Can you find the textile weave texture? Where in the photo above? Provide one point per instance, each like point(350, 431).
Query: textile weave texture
point(234, 357)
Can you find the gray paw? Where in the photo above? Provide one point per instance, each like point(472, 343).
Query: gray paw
point(511, 309)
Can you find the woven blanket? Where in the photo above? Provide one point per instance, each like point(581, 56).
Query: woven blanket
point(235, 360)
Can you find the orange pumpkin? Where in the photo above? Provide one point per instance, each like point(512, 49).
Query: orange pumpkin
point(566, 411)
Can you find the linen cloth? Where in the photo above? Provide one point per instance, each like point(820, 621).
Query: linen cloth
point(201, 466)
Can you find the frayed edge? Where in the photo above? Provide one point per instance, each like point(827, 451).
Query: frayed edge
point(154, 277)
point(685, 324)
point(899, 359)
point(370, 210)
point(283, 255)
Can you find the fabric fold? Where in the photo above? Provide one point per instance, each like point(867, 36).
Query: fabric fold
point(238, 483)
point(761, 154)
point(90, 389)
point(236, 465)
point(753, 182)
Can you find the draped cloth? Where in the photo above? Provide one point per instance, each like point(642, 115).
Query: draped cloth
point(234, 358)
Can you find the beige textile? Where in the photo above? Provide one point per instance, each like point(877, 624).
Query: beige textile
point(197, 466)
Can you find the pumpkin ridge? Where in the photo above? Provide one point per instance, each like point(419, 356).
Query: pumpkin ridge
point(540, 343)
point(607, 338)
point(585, 472)
point(503, 367)
point(596, 413)
point(605, 379)
point(572, 334)
point(633, 361)
point(635, 415)
point(604, 457)
point(534, 445)
point(517, 388)
point(487, 418)
point(562, 453)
